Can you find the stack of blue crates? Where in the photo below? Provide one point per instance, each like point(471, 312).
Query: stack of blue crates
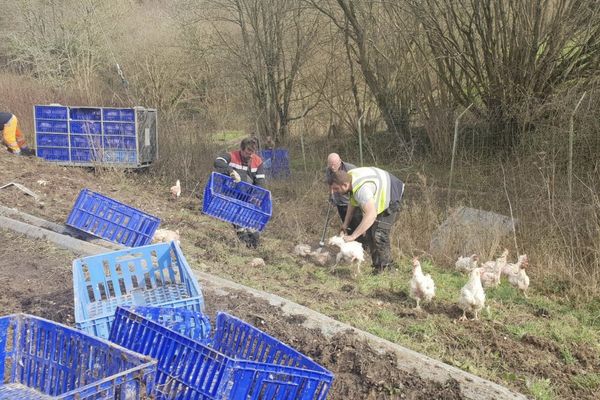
point(112, 220)
point(96, 135)
point(238, 362)
point(42, 360)
point(276, 163)
point(155, 275)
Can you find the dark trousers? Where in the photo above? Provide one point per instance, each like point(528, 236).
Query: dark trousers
point(378, 237)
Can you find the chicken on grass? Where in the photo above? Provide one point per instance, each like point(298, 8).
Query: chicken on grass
point(472, 296)
point(422, 287)
point(466, 264)
point(349, 251)
point(519, 279)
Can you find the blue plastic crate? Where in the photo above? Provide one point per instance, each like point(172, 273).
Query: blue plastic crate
point(189, 323)
point(52, 154)
point(50, 126)
point(85, 113)
point(49, 139)
point(85, 127)
point(239, 203)
point(110, 219)
point(119, 114)
point(154, 275)
point(119, 128)
point(120, 142)
point(86, 141)
point(276, 163)
point(42, 360)
point(240, 362)
point(85, 155)
point(51, 112)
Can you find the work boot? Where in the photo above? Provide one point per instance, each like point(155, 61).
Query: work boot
point(26, 151)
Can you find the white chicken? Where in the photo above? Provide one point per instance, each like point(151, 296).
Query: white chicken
point(472, 296)
point(257, 262)
point(176, 190)
point(511, 269)
point(519, 279)
point(165, 235)
point(466, 264)
point(320, 256)
point(492, 270)
point(422, 287)
point(351, 251)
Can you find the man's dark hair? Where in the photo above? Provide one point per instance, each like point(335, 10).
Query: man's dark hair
point(339, 178)
point(249, 143)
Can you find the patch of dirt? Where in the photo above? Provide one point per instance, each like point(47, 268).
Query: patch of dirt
point(35, 278)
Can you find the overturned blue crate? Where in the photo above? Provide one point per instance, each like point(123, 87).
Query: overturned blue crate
point(189, 323)
point(154, 275)
point(240, 203)
point(111, 220)
point(40, 359)
point(239, 362)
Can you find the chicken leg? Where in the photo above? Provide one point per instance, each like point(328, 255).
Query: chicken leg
point(464, 316)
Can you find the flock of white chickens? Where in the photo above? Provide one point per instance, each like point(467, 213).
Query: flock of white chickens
point(422, 286)
point(472, 294)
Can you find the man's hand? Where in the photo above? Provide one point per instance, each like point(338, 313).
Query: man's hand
point(348, 238)
point(235, 176)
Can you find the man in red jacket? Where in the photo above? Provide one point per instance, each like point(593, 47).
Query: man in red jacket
point(244, 165)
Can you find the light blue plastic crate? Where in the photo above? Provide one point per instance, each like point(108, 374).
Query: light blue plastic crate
point(239, 203)
point(239, 362)
point(110, 219)
point(42, 360)
point(154, 275)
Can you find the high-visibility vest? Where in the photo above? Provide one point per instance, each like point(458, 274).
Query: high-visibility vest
point(380, 178)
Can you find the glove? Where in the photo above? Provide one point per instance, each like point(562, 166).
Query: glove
point(235, 176)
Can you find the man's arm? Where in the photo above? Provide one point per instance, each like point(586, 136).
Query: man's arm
point(259, 178)
point(221, 164)
point(368, 218)
point(348, 218)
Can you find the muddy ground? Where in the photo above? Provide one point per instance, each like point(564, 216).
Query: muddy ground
point(35, 278)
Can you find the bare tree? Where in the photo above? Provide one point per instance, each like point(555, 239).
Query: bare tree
point(507, 56)
point(377, 43)
point(270, 41)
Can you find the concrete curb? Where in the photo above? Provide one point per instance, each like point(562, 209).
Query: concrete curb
point(472, 386)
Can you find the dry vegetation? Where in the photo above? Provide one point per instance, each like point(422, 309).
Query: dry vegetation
point(397, 72)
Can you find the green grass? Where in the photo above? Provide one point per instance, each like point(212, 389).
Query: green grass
point(541, 389)
point(590, 381)
point(226, 136)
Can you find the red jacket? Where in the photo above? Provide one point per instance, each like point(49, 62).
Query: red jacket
point(251, 172)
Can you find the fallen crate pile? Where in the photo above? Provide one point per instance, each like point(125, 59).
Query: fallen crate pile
point(142, 332)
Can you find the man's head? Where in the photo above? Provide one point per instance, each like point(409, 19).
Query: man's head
point(334, 162)
point(248, 147)
point(340, 182)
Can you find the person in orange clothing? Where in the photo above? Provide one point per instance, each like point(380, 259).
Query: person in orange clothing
point(12, 137)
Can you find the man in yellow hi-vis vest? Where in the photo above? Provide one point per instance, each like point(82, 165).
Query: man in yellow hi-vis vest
point(377, 193)
point(11, 134)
